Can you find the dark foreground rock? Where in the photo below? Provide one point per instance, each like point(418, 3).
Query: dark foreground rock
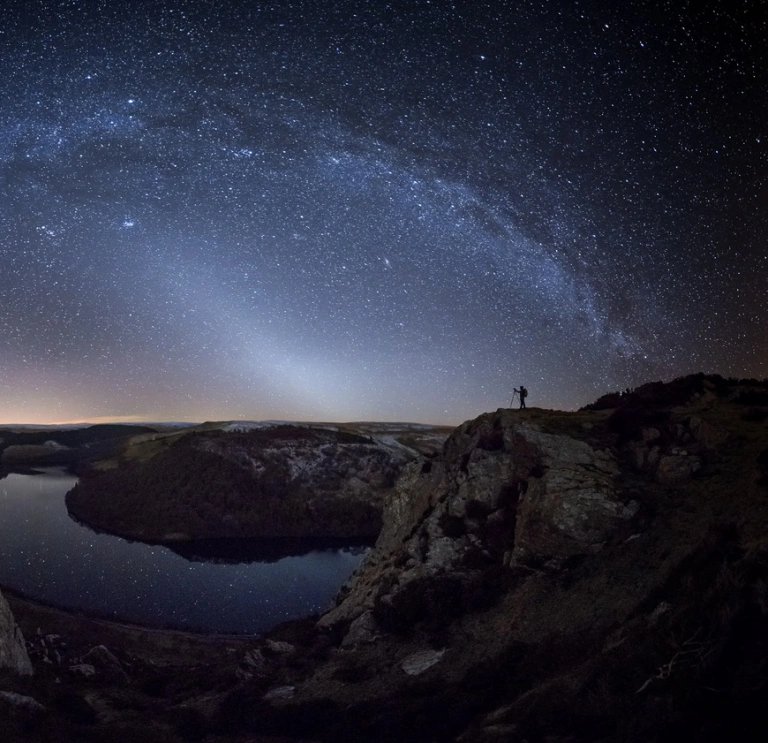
point(559, 577)
point(13, 652)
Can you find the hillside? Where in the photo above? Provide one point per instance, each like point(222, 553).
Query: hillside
point(563, 577)
point(64, 445)
point(244, 481)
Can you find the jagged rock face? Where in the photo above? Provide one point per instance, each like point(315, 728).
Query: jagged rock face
point(503, 492)
point(575, 506)
point(673, 453)
point(13, 653)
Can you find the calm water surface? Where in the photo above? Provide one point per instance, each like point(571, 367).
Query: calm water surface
point(50, 557)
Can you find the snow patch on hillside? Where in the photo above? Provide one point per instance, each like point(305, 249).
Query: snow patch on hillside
point(241, 426)
point(391, 443)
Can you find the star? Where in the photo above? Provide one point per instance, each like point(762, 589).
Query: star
point(197, 207)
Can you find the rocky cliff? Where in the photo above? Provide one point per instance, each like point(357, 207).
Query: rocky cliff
point(509, 490)
point(559, 576)
point(13, 652)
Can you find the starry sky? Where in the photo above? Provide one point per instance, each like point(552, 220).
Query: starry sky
point(371, 210)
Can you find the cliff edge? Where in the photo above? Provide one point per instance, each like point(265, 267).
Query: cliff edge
point(559, 576)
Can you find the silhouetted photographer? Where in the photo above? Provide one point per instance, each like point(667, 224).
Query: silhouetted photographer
point(522, 393)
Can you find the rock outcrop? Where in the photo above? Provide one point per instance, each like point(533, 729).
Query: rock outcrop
point(530, 491)
point(13, 652)
point(504, 492)
point(577, 504)
point(547, 570)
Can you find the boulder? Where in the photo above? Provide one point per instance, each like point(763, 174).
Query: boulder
point(677, 468)
point(13, 651)
point(650, 434)
point(362, 630)
point(416, 664)
point(252, 665)
point(18, 703)
point(86, 670)
point(652, 460)
point(280, 692)
point(278, 647)
point(254, 660)
point(709, 436)
point(105, 662)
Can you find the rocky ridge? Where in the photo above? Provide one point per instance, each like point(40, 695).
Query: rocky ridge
point(503, 493)
point(560, 576)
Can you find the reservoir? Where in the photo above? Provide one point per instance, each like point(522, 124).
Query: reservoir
point(244, 587)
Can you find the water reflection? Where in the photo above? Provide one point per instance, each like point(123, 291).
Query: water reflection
point(234, 551)
point(239, 586)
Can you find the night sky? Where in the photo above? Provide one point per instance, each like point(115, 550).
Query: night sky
point(375, 211)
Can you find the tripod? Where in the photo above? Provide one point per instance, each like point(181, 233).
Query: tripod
point(512, 401)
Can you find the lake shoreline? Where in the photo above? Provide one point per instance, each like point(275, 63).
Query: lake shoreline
point(163, 647)
point(221, 588)
point(75, 613)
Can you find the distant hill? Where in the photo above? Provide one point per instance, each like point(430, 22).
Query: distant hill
point(62, 445)
point(413, 437)
point(239, 480)
point(73, 437)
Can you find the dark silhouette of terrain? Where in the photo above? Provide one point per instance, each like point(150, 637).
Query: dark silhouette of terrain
point(233, 551)
point(73, 437)
point(565, 577)
point(18, 448)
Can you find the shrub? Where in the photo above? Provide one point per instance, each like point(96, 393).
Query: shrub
point(752, 397)
point(754, 415)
